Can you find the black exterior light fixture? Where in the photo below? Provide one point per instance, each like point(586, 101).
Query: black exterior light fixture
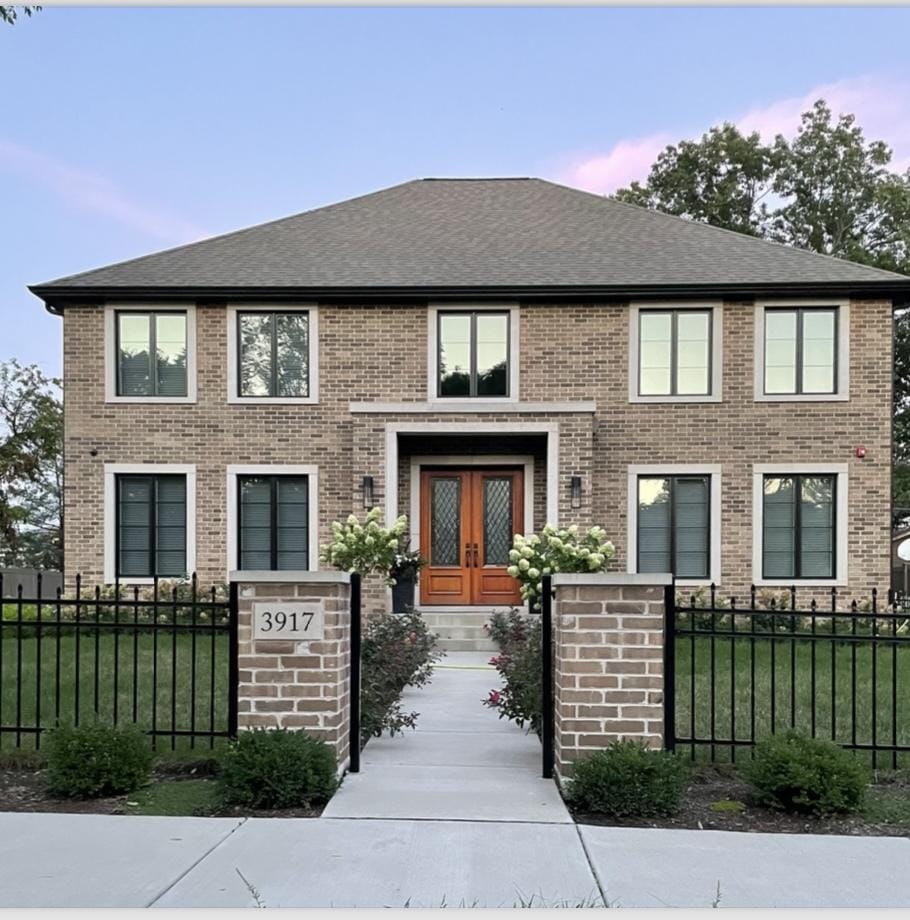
point(367, 490)
point(576, 491)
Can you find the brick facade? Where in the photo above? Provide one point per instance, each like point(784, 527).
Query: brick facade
point(608, 642)
point(293, 684)
point(568, 352)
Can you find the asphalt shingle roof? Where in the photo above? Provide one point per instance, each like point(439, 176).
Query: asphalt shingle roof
point(479, 233)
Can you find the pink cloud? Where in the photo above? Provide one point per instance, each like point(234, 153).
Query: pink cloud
point(881, 106)
point(98, 194)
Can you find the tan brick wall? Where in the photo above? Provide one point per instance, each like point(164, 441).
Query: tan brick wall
point(608, 666)
point(294, 684)
point(568, 352)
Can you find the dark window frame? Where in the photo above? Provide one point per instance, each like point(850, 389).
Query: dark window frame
point(797, 527)
point(472, 372)
point(674, 351)
point(273, 349)
point(152, 316)
point(153, 523)
point(672, 478)
point(273, 515)
point(798, 388)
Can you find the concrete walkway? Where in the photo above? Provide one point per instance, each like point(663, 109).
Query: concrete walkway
point(462, 762)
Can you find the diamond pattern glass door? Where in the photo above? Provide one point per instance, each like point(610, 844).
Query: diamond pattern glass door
point(497, 520)
point(445, 521)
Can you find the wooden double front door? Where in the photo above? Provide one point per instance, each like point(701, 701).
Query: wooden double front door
point(467, 521)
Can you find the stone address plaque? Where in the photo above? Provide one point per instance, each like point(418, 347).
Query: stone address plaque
point(288, 621)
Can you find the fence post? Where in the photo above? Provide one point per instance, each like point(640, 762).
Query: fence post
point(670, 667)
point(233, 658)
point(354, 766)
point(546, 669)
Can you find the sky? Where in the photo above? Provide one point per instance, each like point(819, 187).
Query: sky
point(126, 131)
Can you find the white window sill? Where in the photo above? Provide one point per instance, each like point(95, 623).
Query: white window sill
point(802, 397)
point(800, 583)
point(676, 399)
point(151, 400)
point(273, 400)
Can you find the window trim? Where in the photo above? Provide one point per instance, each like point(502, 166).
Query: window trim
point(311, 471)
point(111, 364)
point(111, 472)
point(715, 354)
point(433, 311)
point(233, 354)
point(715, 492)
point(841, 351)
point(841, 520)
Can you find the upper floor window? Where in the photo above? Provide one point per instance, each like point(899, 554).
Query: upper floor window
point(800, 350)
point(273, 354)
point(674, 525)
point(675, 353)
point(151, 525)
point(473, 353)
point(274, 522)
point(799, 516)
point(151, 349)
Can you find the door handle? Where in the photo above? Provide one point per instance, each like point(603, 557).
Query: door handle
point(467, 555)
point(476, 557)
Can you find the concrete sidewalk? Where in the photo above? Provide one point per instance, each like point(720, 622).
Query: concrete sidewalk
point(461, 763)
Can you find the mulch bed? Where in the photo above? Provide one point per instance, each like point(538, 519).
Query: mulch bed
point(25, 790)
point(711, 785)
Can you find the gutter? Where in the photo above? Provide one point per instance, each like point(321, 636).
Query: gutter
point(58, 297)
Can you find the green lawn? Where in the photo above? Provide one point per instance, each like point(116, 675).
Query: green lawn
point(840, 706)
point(114, 676)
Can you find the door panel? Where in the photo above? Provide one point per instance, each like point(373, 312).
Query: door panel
point(498, 514)
point(445, 502)
point(467, 520)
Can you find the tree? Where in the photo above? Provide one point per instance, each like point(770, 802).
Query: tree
point(31, 467)
point(720, 180)
point(9, 14)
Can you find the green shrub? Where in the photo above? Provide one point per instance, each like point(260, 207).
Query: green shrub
point(95, 760)
point(629, 780)
point(795, 773)
point(276, 768)
point(397, 651)
point(519, 665)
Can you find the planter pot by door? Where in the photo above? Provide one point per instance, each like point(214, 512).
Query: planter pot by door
point(402, 596)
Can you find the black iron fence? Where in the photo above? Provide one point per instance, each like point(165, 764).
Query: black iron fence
point(736, 673)
point(162, 657)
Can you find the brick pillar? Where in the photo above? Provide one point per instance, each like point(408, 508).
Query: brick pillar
point(290, 682)
point(608, 662)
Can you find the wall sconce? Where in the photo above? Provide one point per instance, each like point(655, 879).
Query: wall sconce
point(576, 491)
point(367, 490)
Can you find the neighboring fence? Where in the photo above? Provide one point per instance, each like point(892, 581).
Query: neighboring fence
point(163, 658)
point(741, 673)
point(51, 582)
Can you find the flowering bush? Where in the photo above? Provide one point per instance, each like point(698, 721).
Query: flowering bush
point(554, 551)
point(366, 548)
point(397, 652)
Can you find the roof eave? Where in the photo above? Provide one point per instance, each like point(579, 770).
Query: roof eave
point(56, 297)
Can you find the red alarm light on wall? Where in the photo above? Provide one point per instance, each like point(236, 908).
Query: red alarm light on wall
point(860, 452)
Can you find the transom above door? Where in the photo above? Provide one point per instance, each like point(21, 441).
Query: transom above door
point(467, 521)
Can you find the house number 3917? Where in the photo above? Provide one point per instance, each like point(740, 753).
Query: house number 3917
point(287, 621)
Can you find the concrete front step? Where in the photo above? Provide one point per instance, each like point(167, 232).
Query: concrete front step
point(460, 630)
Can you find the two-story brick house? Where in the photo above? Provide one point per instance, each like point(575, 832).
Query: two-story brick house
point(485, 356)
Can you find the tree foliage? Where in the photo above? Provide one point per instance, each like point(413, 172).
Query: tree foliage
point(9, 14)
point(31, 467)
point(827, 189)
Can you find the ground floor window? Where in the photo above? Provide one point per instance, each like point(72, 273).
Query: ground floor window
point(273, 522)
point(151, 525)
point(799, 515)
point(674, 529)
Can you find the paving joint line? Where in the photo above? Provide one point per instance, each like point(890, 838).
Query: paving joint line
point(591, 867)
point(190, 868)
point(440, 820)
